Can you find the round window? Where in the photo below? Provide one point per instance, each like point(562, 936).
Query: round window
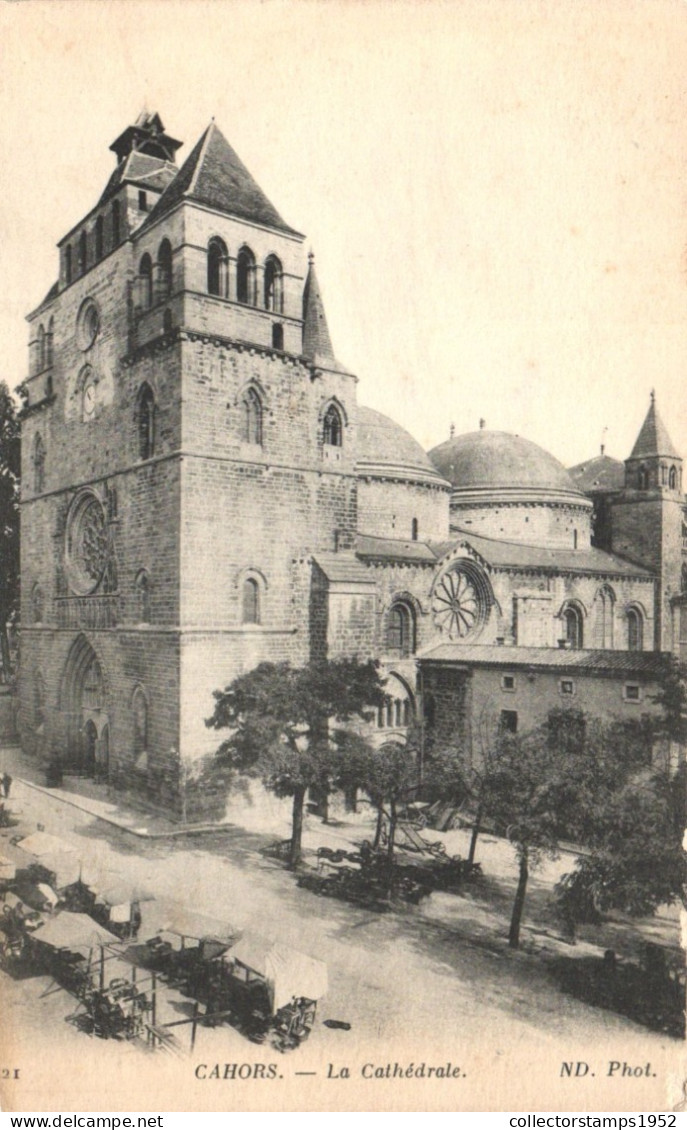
point(460, 602)
point(87, 324)
point(87, 543)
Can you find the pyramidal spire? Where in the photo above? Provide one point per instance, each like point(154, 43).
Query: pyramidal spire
point(653, 438)
point(317, 344)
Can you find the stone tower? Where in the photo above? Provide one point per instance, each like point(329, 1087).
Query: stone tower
point(187, 442)
point(647, 519)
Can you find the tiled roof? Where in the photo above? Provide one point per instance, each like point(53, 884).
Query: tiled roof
point(648, 663)
point(391, 550)
point(343, 567)
point(599, 474)
point(213, 174)
point(142, 169)
point(517, 556)
point(653, 438)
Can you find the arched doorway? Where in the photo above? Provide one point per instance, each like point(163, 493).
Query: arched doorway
point(83, 707)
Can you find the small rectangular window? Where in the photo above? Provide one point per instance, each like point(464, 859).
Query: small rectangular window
point(632, 692)
point(509, 721)
point(508, 682)
point(143, 202)
point(567, 686)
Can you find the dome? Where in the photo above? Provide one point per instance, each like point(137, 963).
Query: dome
point(487, 462)
point(385, 448)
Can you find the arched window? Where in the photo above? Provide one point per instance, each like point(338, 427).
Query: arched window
point(41, 348)
point(414, 529)
point(49, 341)
point(68, 264)
point(139, 710)
point(635, 630)
point(99, 244)
point(38, 700)
point(252, 417)
point(245, 276)
point(218, 275)
point(143, 593)
point(643, 478)
point(250, 601)
point(38, 464)
point(278, 336)
point(332, 431)
point(672, 478)
point(145, 273)
point(116, 233)
point(572, 619)
point(684, 578)
point(83, 251)
point(274, 291)
point(146, 422)
point(164, 270)
point(400, 630)
point(37, 604)
point(92, 696)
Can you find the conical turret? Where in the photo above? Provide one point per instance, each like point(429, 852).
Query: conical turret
point(317, 344)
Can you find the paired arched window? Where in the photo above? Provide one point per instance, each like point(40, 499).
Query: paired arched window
point(332, 432)
point(38, 464)
point(252, 417)
point(164, 270)
point(398, 708)
point(145, 412)
point(400, 630)
point(99, 240)
point(218, 268)
point(635, 630)
point(245, 276)
point(83, 253)
point(250, 601)
point(116, 226)
point(572, 621)
point(145, 275)
point(274, 290)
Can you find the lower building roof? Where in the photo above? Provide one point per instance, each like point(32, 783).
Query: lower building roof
point(584, 660)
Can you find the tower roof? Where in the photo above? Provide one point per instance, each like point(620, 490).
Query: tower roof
point(147, 135)
point(653, 438)
point(317, 344)
point(214, 175)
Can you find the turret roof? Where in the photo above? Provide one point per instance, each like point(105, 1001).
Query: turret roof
point(653, 438)
point(214, 175)
point(317, 344)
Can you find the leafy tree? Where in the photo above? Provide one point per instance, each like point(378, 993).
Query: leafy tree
point(9, 522)
point(280, 721)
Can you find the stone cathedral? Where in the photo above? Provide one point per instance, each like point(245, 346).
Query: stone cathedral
point(201, 491)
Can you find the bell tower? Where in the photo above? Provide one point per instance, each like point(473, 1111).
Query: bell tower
point(646, 518)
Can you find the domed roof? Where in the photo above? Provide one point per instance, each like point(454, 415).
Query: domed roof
point(486, 462)
point(385, 448)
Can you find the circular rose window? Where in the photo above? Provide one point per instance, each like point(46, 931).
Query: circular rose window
point(86, 545)
point(460, 603)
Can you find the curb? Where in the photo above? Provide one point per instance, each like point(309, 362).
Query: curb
point(140, 833)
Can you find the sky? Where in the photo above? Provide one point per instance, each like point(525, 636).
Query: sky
point(495, 191)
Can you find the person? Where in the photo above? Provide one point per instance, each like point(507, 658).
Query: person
point(136, 919)
point(6, 784)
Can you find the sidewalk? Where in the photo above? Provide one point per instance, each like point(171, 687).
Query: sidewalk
point(84, 794)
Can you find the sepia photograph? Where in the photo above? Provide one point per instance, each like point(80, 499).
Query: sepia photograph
point(343, 555)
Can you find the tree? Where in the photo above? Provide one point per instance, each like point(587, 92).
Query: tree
point(280, 721)
point(9, 522)
point(533, 792)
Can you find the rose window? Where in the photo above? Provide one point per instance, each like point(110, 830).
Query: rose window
point(87, 545)
point(460, 603)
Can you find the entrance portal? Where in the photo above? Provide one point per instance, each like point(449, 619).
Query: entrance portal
point(82, 703)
